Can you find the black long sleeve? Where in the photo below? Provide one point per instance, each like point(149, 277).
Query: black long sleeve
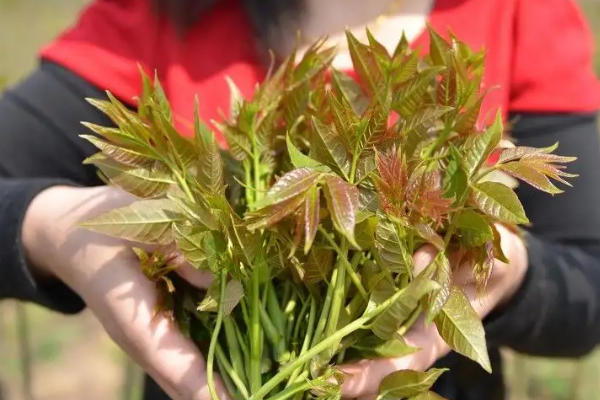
point(17, 282)
point(557, 310)
point(39, 145)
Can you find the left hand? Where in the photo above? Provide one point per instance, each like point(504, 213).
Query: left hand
point(363, 378)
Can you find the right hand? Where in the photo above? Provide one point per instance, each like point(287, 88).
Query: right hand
point(105, 272)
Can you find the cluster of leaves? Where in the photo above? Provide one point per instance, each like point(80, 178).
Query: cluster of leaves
point(310, 219)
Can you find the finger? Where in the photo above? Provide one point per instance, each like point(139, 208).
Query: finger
point(423, 257)
point(199, 278)
point(127, 311)
point(363, 378)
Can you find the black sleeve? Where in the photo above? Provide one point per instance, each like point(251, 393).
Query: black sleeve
point(556, 311)
point(17, 282)
point(40, 124)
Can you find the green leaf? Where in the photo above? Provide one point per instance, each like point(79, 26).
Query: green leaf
point(236, 99)
point(443, 276)
point(465, 123)
point(481, 146)
point(145, 221)
point(438, 47)
point(161, 98)
point(456, 182)
point(365, 232)
point(209, 174)
point(365, 64)
point(318, 265)
point(300, 160)
point(146, 182)
point(499, 201)
point(372, 347)
point(430, 235)
point(515, 153)
point(350, 90)
point(391, 245)
point(120, 154)
point(473, 229)
point(344, 119)
point(115, 136)
point(191, 242)
point(234, 292)
point(292, 184)
point(428, 396)
point(388, 322)
point(407, 383)
point(331, 149)
point(528, 173)
point(411, 96)
point(342, 202)
point(408, 68)
point(461, 328)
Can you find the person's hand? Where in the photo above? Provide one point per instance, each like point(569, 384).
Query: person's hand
point(106, 274)
point(363, 378)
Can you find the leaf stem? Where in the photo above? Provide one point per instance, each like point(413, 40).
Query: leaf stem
point(255, 334)
point(292, 390)
point(324, 344)
point(349, 267)
point(308, 337)
point(231, 373)
point(210, 358)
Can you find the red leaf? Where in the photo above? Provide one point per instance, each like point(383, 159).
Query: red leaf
point(271, 215)
point(391, 181)
point(342, 202)
point(311, 216)
point(427, 197)
point(293, 183)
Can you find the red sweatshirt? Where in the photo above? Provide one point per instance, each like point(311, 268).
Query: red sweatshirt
point(538, 51)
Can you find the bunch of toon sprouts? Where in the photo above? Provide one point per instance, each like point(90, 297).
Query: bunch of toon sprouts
point(309, 220)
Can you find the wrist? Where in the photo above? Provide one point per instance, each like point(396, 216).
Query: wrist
point(40, 230)
point(514, 248)
point(54, 245)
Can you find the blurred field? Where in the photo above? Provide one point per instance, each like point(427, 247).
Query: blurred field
point(73, 359)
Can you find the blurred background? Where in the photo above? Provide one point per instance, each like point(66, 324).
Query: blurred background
point(46, 356)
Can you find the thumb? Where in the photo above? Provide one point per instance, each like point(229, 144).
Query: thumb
point(423, 257)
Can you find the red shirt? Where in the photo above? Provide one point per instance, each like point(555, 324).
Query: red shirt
point(538, 51)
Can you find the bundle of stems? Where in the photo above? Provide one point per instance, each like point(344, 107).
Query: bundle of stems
point(309, 219)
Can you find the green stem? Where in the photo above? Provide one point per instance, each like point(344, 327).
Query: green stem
point(256, 168)
point(307, 338)
point(337, 304)
point(235, 353)
point(355, 325)
point(233, 375)
point(255, 334)
point(275, 313)
point(210, 358)
point(326, 307)
point(185, 187)
point(272, 333)
point(438, 141)
point(410, 321)
point(292, 390)
point(227, 381)
point(348, 266)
